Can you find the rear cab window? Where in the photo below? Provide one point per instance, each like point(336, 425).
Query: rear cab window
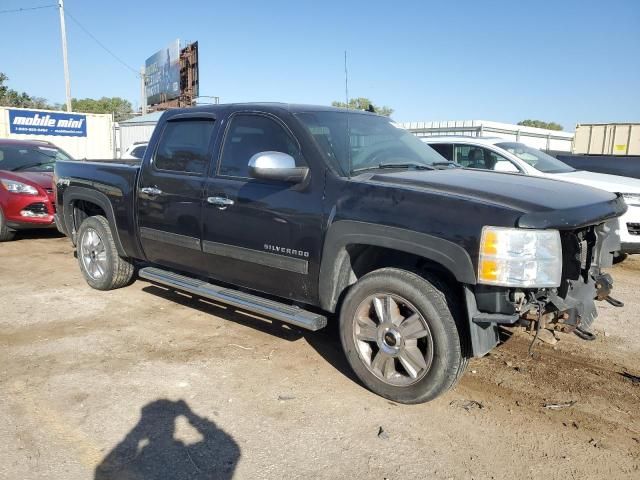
point(184, 146)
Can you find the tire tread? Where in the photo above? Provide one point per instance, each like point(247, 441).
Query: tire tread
point(123, 269)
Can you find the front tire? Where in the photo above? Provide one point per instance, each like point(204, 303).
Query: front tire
point(400, 336)
point(100, 264)
point(6, 234)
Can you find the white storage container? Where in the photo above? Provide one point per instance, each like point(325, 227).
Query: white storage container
point(83, 135)
point(607, 139)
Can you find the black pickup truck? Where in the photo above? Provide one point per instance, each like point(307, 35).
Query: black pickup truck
point(304, 214)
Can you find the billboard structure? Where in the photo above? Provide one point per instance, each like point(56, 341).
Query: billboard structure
point(171, 77)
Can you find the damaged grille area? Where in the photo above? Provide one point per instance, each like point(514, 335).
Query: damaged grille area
point(578, 249)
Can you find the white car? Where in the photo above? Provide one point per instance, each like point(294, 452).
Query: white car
point(135, 151)
point(503, 155)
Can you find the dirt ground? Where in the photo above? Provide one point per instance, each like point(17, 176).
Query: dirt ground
point(141, 383)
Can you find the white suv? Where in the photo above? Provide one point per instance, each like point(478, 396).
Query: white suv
point(503, 155)
point(135, 151)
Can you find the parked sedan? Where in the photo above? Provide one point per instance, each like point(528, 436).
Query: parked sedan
point(26, 193)
point(506, 156)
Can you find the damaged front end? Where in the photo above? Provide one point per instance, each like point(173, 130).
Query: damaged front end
point(571, 307)
point(568, 307)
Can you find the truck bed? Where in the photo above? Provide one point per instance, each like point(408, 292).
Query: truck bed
point(115, 180)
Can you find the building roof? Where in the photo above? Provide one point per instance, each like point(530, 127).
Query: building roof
point(149, 118)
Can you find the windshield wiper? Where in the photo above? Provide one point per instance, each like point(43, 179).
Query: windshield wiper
point(30, 165)
point(447, 163)
point(417, 166)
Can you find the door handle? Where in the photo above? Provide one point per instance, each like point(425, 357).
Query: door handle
point(151, 191)
point(220, 202)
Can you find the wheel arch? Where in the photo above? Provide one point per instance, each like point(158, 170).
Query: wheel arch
point(80, 203)
point(351, 248)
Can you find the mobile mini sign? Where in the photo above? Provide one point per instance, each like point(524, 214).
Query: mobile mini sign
point(30, 122)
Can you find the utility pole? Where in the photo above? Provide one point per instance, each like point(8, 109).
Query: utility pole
point(346, 80)
point(143, 91)
point(63, 31)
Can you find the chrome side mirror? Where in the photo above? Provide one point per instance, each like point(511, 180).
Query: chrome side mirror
point(276, 166)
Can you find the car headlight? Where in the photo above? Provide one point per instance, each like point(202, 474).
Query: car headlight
point(631, 199)
point(516, 257)
point(19, 187)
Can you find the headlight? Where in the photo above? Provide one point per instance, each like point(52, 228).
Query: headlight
point(631, 199)
point(515, 257)
point(18, 187)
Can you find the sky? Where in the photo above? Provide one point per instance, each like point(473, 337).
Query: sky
point(568, 61)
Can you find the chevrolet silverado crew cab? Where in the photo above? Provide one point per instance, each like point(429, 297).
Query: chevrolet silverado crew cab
point(304, 214)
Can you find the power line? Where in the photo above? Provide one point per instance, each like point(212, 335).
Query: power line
point(101, 44)
point(15, 10)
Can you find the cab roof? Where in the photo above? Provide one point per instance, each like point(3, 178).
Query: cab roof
point(268, 106)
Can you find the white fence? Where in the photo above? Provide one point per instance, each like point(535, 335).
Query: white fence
point(534, 137)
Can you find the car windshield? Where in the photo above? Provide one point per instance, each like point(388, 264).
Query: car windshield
point(536, 158)
point(30, 157)
point(355, 142)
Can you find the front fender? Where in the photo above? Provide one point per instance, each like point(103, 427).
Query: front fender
point(335, 268)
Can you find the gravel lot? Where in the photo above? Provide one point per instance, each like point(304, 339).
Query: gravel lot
point(142, 383)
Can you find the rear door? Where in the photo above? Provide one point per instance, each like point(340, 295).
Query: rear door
point(171, 190)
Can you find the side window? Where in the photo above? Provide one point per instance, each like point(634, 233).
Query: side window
point(495, 161)
point(444, 149)
point(138, 152)
point(471, 156)
point(249, 134)
point(184, 146)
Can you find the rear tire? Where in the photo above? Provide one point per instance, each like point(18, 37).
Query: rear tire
point(100, 264)
point(400, 335)
point(619, 257)
point(6, 234)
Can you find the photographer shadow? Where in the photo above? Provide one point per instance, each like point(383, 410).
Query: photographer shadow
point(151, 451)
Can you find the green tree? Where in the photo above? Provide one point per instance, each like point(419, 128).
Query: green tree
point(13, 98)
point(541, 124)
point(120, 107)
point(362, 103)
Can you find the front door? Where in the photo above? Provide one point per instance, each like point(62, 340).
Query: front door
point(263, 235)
point(170, 193)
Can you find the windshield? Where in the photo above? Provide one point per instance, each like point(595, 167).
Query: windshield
point(30, 157)
point(355, 142)
point(536, 158)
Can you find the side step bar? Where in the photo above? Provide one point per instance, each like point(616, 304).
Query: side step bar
point(244, 301)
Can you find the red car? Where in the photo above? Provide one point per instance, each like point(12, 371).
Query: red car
point(26, 193)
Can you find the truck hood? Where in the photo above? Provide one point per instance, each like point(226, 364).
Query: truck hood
point(610, 183)
point(42, 179)
point(544, 203)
